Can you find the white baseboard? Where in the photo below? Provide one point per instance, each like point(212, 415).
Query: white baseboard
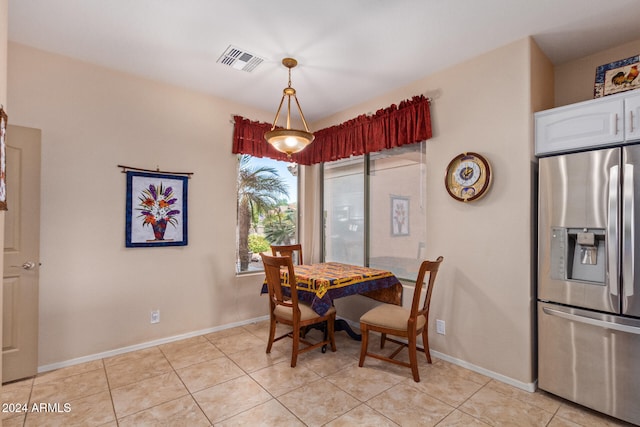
point(110, 353)
point(530, 387)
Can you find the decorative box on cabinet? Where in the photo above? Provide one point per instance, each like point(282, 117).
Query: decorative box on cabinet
point(600, 122)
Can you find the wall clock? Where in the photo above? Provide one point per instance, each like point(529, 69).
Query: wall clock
point(468, 177)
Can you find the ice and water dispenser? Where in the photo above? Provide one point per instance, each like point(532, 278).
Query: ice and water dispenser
point(578, 254)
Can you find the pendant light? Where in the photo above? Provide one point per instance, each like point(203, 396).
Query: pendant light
point(289, 140)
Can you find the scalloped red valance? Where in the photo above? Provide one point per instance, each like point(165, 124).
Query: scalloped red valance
point(394, 126)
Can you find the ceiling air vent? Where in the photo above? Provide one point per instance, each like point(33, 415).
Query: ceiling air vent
point(240, 59)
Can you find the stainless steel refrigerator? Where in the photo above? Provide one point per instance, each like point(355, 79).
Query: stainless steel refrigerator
point(589, 279)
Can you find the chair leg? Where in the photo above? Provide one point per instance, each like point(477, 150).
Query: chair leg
point(296, 343)
point(413, 358)
point(364, 331)
point(272, 334)
point(425, 343)
point(383, 339)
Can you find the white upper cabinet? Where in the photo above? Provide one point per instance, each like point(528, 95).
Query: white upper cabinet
point(611, 120)
point(632, 117)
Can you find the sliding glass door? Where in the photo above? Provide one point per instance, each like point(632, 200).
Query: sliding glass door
point(375, 210)
point(344, 211)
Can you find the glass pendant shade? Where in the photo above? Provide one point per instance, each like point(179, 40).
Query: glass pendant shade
point(289, 140)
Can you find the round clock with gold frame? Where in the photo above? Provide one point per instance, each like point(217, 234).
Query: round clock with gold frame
point(468, 177)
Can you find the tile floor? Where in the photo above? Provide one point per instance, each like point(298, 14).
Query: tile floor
point(226, 379)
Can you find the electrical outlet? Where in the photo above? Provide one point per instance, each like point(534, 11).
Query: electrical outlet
point(440, 327)
point(155, 316)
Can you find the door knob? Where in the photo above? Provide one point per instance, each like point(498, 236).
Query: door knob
point(28, 265)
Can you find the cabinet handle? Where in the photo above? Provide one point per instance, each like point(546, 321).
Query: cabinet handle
point(615, 124)
point(631, 121)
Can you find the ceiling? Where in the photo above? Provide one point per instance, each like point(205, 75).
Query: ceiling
point(348, 50)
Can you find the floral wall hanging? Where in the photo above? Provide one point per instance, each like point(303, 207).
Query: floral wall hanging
point(156, 210)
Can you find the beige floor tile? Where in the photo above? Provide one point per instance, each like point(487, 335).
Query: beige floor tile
point(325, 402)
point(16, 396)
point(362, 415)
point(228, 399)
point(234, 382)
point(389, 368)
point(241, 341)
point(406, 406)
point(144, 394)
point(251, 361)
point(26, 382)
point(66, 389)
point(215, 336)
point(364, 383)
point(131, 356)
point(182, 412)
point(14, 421)
point(94, 410)
point(450, 387)
point(346, 344)
point(540, 399)
point(460, 419)
point(455, 370)
point(281, 378)
point(259, 329)
point(189, 352)
point(206, 374)
point(328, 363)
point(268, 414)
point(586, 417)
point(561, 422)
point(128, 370)
point(69, 371)
point(498, 409)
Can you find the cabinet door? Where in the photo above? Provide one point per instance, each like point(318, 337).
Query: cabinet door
point(632, 117)
point(578, 126)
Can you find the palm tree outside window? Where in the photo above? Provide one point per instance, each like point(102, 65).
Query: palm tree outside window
point(267, 208)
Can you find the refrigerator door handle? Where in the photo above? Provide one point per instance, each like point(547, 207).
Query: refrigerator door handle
point(629, 232)
point(612, 231)
point(590, 321)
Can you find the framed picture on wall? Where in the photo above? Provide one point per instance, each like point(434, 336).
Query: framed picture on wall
point(3, 159)
point(156, 210)
point(617, 76)
point(399, 216)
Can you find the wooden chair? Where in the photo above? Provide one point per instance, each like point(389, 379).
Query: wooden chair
point(398, 321)
point(290, 312)
point(290, 251)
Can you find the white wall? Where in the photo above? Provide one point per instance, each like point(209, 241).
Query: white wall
point(95, 294)
point(485, 290)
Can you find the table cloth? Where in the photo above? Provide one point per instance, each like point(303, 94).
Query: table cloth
point(319, 284)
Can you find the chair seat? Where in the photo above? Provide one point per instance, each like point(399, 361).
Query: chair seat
point(391, 316)
point(306, 312)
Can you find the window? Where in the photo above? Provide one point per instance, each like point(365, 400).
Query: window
point(344, 191)
point(374, 210)
point(267, 208)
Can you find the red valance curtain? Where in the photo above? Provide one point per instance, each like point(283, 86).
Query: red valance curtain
point(391, 127)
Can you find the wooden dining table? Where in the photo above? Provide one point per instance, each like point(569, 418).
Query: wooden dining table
point(318, 285)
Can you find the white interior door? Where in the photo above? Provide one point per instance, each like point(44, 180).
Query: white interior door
point(21, 254)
